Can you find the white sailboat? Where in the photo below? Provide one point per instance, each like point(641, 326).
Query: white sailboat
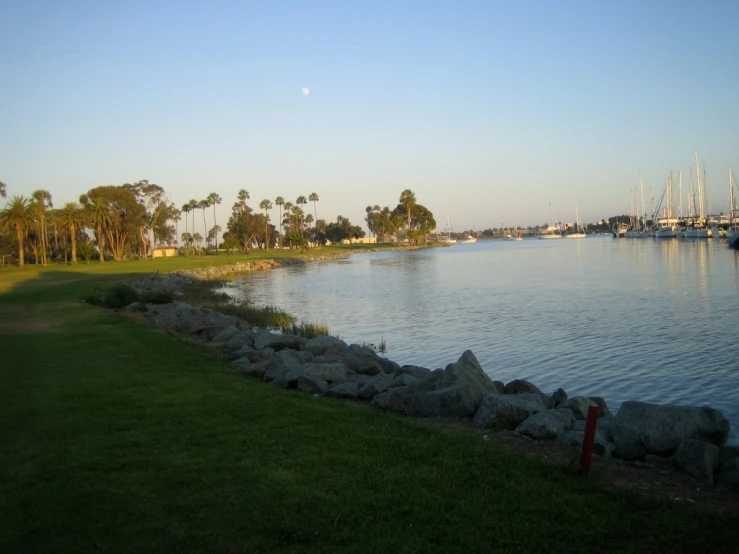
point(551, 234)
point(668, 225)
point(448, 238)
point(514, 236)
point(732, 233)
point(579, 229)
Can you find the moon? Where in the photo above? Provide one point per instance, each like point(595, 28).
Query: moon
point(305, 91)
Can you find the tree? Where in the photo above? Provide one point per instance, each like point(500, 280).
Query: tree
point(266, 205)
point(43, 198)
point(198, 238)
point(288, 220)
point(176, 217)
point(72, 216)
point(313, 197)
point(230, 243)
point(18, 215)
point(3, 187)
point(408, 200)
point(127, 215)
point(193, 206)
point(215, 200)
point(186, 210)
point(203, 205)
point(213, 235)
point(154, 200)
point(99, 217)
point(279, 202)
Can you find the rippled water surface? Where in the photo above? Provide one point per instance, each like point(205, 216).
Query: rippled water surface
point(624, 319)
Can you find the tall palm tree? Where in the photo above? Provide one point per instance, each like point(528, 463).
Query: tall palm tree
point(197, 237)
point(99, 215)
point(214, 200)
point(203, 205)
point(176, 217)
point(313, 197)
point(266, 205)
point(408, 200)
point(43, 197)
point(73, 217)
point(19, 215)
point(193, 206)
point(279, 202)
point(186, 210)
point(288, 206)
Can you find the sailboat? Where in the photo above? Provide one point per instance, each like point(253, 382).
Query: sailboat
point(551, 234)
point(732, 233)
point(514, 235)
point(579, 230)
point(448, 238)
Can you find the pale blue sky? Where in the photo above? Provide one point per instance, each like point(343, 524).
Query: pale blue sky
point(489, 111)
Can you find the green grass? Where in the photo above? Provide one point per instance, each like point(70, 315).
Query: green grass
point(119, 438)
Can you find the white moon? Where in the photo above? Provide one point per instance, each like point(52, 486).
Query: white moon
point(305, 91)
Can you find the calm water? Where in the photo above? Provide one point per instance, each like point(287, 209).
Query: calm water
point(624, 319)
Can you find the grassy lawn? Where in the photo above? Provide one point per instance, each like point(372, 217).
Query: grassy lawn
point(119, 438)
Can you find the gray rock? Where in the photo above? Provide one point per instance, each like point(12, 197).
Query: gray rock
point(657, 462)
point(499, 386)
point(284, 369)
point(520, 386)
point(559, 396)
point(601, 446)
point(546, 425)
point(458, 400)
point(311, 385)
point(394, 400)
point(578, 405)
point(414, 371)
point(406, 380)
point(305, 357)
point(265, 339)
point(333, 373)
point(467, 370)
point(246, 367)
point(698, 459)
point(642, 428)
point(238, 341)
point(344, 390)
point(375, 385)
point(361, 359)
point(163, 316)
point(507, 411)
point(318, 346)
point(257, 355)
point(601, 403)
point(728, 473)
point(226, 334)
point(603, 426)
point(388, 366)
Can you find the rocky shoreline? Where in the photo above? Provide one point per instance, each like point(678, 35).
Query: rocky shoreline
point(691, 439)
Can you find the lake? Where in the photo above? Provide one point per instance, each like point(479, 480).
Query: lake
point(642, 319)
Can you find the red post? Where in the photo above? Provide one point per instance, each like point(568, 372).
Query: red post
point(588, 439)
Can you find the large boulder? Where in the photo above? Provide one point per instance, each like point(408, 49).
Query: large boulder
point(458, 400)
point(578, 405)
point(415, 371)
point(642, 428)
point(520, 386)
point(318, 346)
point(728, 471)
point(698, 459)
point(284, 369)
point(467, 370)
point(507, 411)
point(311, 385)
point(348, 390)
point(332, 373)
point(361, 359)
point(375, 385)
point(252, 369)
point(163, 316)
point(546, 425)
point(265, 339)
point(238, 340)
point(226, 334)
point(559, 396)
point(601, 445)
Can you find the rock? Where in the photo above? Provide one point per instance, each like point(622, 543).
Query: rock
point(265, 339)
point(559, 396)
point(333, 373)
point(284, 369)
point(601, 403)
point(642, 428)
point(601, 446)
point(394, 400)
point(406, 380)
point(163, 316)
point(603, 426)
point(258, 355)
point(578, 405)
point(499, 386)
point(311, 385)
point(519, 386)
point(361, 359)
point(414, 371)
point(507, 411)
point(698, 459)
point(388, 366)
point(657, 462)
point(238, 341)
point(370, 368)
point(546, 425)
point(344, 390)
point(226, 334)
point(246, 367)
point(458, 400)
point(375, 385)
point(728, 473)
point(318, 346)
point(467, 370)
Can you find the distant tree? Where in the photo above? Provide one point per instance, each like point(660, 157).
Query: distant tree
point(185, 209)
point(72, 217)
point(204, 205)
point(127, 216)
point(279, 202)
point(86, 250)
point(313, 197)
point(266, 205)
point(18, 215)
point(176, 217)
point(230, 243)
point(98, 215)
point(198, 238)
point(214, 199)
point(194, 205)
point(3, 189)
point(43, 199)
point(213, 235)
point(408, 200)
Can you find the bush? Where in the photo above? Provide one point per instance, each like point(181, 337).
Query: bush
point(120, 296)
point(157, 297)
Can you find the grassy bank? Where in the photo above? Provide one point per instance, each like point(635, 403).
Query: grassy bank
point(119, 438)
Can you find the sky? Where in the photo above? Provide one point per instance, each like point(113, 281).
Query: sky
point(490, 111)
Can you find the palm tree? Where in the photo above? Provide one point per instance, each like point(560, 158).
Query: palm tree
point(198, 238)
point(288, 206)
point(2, 190)
point(99, 215)
point(43, 197)
point(266, 205)
point(408, 200)
point(213, 234)
point(18, 214)
point(203, 205)
point(279, 202)
point(186, 209)
point(301, 201)
point(193, 206)
point(214, 200)
point(313, 197)
point(176, 217)
point(74, 218)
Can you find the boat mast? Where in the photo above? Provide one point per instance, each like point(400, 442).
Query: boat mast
point(680, 189)
point(700, 186)
point(643, 223)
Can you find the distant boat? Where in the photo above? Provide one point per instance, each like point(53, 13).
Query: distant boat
point(551, 234)
point(732, 233)
point(448, 238)
point(514, 236)
point(578, 234)
point(468, 239)
point(619, 230)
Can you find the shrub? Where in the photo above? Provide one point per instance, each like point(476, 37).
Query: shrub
point(120, 296)
point(157, 297)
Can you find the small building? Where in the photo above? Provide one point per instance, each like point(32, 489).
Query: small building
point(164, 252)
point(363, 240)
